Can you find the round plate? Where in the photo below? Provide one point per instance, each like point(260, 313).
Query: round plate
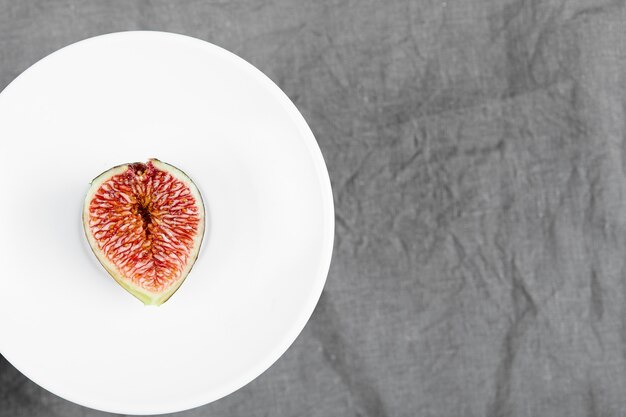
point(127, 97)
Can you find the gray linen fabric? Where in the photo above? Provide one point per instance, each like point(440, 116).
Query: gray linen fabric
point(477, 154)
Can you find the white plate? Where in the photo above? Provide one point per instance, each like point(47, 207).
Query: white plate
point(127, 97)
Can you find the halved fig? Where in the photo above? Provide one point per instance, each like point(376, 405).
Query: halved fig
point(144, 223)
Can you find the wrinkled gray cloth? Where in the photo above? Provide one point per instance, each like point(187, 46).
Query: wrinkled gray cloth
point(477, 154)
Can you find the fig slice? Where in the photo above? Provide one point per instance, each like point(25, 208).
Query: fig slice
point(145, 223)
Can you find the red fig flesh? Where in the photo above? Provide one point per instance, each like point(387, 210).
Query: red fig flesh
point(145, 223)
